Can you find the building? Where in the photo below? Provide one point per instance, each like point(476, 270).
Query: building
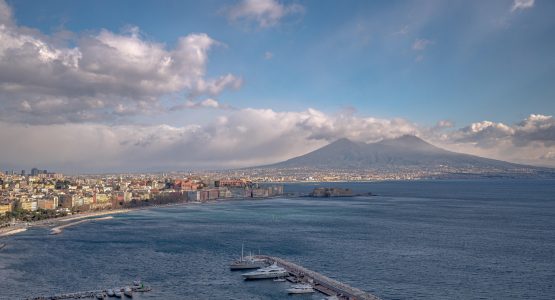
point(5, 207)
point(29, 205)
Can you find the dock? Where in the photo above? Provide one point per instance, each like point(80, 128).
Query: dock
point(321, 283)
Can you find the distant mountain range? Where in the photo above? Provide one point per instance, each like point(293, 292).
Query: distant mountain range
point(404, 153)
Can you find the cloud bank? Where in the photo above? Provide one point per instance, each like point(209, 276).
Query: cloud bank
point(102, 76)
point(249, 137)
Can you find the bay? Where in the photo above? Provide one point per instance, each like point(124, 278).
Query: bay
point(479, 239)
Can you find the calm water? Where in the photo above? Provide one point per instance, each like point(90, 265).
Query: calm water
point(416, 240)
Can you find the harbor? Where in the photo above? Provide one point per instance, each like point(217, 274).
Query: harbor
point(305, 280)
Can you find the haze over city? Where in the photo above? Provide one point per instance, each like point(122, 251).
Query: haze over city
point(103, 86)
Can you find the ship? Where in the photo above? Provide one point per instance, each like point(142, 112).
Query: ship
point(273, 271)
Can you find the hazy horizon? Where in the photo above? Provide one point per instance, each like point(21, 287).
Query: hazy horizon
point(101, 86)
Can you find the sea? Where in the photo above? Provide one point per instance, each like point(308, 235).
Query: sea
point(464, 239)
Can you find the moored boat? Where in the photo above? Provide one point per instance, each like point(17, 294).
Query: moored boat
point(127, 291)
point(247, 262)
point(302, 288)
point(273, 271)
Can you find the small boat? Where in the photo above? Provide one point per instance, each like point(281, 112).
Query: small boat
point(127, 291)
point(110, 292)
point(100, 296)
point(279, 279)
point(137, 283)
point(118, 294)
point(273, 271)
point(302, 288)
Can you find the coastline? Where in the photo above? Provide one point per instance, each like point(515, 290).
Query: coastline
point(22, 227)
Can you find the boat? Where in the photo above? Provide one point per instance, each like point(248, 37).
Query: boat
point(302, 288)
point(127, 291)
point(118, 294)
point(110, 292)
point(273, 271)
point(279, 280)
point(247, 262)
point(100, 296)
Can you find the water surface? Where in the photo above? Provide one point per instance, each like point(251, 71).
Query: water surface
point(492, 239)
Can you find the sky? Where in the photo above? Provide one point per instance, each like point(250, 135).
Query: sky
point(102, 86)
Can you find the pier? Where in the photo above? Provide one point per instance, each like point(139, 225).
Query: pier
point(321, 283)
point(92, 294)
point(58, 229)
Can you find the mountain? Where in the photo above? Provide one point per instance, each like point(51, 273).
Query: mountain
point(404, 153)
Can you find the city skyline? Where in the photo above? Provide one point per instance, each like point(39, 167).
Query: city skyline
point(87, 88)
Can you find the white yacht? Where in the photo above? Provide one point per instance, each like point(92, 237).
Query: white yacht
point(303, 288)
point(273, 271)
point(118, 294)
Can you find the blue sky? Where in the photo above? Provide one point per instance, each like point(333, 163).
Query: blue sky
point(471, 76)
point(483, 61)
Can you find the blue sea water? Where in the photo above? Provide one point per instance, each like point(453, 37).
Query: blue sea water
point(487, 239)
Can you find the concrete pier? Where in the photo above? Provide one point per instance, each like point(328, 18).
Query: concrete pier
point(91, 294)
point(320, 282)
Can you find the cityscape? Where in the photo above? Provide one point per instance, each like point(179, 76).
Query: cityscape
point(56, 195)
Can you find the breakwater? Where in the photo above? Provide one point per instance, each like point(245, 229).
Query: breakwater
point(324, 284)
point(58, 229)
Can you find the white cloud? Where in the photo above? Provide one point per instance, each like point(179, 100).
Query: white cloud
point(522, 4)
point(529, 141)
point(421, 44)
point(268, 55)
point(265, 13)
point(206, 103)
point(100, 77)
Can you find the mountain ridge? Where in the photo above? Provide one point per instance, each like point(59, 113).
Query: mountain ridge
point(404, 152)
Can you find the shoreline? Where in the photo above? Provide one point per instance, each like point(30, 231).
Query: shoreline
point(21, 227)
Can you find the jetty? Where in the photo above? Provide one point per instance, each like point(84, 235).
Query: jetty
point(139, 288)
point(13, 231)
point(58, 229)
point(321, 283)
